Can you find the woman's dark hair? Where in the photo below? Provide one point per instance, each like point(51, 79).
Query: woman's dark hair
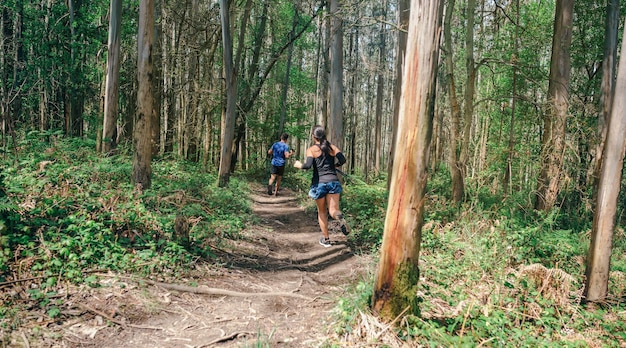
point(319, 133)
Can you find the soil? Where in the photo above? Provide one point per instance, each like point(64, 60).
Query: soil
point(276, 286)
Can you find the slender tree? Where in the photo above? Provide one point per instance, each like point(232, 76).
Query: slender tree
point(380, 88)
point(599, 257)
point(335, 122)
point(403, 25)
point(398, 273)
point(229, 113)
point(555, 117)
point(142, 166)
point(456, 173)
point(111, 93)
point(607, 86)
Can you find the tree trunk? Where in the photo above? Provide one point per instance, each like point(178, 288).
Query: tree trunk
point(458, 186)
point(111, 93)
point(509, 165)
point(555, 118)
point(395, 288)
point(335, 121)
point(380, 84)
point(599, 257)
point(283, 104)
point(142, 170)
point(403, 22)
point(470, 87)
point(607, 86)
point(229, 112)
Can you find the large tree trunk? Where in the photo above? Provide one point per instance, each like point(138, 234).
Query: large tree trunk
point(335, 121)
point(599, 257)
point(229, 112)
point(111, 92)
point(142, 170)
point(458, 186)
point(395, 288)
point(555, 118)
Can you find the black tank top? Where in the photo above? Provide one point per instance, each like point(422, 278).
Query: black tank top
point(324, 169)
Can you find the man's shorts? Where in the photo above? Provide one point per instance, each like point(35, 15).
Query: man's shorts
point(277, 170)
point(322, 189)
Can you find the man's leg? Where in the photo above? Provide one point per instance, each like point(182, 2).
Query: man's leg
point(279, 179)
point(270, 190)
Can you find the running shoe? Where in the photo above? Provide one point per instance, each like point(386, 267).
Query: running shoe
point(269, 190)
point(343, 226)
point(325, 242)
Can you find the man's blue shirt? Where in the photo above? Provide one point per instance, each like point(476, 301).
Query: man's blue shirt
point(278, 153)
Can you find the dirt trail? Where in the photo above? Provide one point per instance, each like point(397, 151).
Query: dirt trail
point(283, 286)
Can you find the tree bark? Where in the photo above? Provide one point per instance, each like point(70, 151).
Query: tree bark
point(508, 175)
point(229, 112)
point(403, 22)
point(380, 84)
point(335, 122)
point(142, 167)
point(111, 93)
point(599, 257)
point(395, 288)
point(458, 186)
point(607, 86)
point(555, 118)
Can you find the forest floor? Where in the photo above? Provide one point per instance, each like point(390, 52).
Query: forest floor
point(275, 286)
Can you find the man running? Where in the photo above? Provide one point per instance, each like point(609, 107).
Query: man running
point(280, 152)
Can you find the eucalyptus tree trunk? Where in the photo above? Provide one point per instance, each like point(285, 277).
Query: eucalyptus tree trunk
point(239, 140)
point(335, 121)
point(380, 84)
point(168, 100)
point(470, 87)
point(396, 281)
point(142, 166)
point(458, 185)
point(555, 117)
point(111, 92)
point(599, 256)
point(403, 23)
point(74, 94)
point(324, 39)
point(353, 96)
point(229, 113)
point(192, 140)
point(607, 86)
point(283, 103)
point(509, 165)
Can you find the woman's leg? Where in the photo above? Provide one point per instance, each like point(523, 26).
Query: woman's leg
point(332, 200)
point(333, 210)
point(322, 215)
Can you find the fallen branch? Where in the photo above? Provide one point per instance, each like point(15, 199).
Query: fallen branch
point(222, 292)
point(100, 313)
point(226, 338)
point(20, 281)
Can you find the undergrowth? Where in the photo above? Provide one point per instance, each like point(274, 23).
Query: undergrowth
point(491, 274)
point(67, 212)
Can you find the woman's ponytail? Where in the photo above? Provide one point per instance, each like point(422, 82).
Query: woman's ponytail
point(320, 134)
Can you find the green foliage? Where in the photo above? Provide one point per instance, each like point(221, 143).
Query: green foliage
point(70, 210)
point(365, 206)
point(494, 273)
